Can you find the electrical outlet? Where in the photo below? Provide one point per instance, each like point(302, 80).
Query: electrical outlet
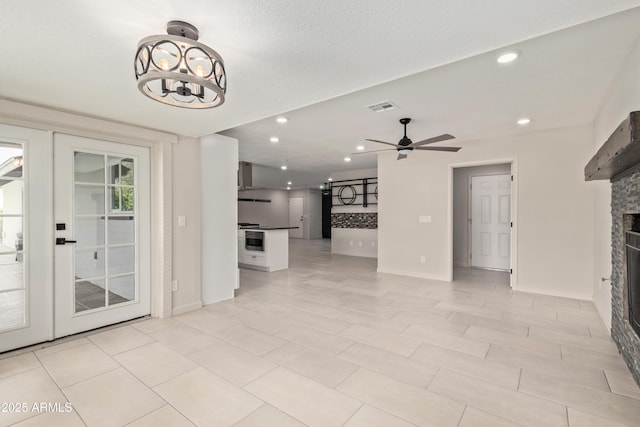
point(174, 285)
point(350, 242)
point(423, 259)
point(182, 221)
point(360, 243)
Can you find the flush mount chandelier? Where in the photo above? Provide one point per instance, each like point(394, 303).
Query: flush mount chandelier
point(177, 70)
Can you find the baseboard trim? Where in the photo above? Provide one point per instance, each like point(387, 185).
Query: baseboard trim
point(353, 254)
point(414, 274)
point(554, 294)
point(461, 264)
point(186, 308)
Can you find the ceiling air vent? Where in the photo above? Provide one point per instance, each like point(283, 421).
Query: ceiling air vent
point(379, 107)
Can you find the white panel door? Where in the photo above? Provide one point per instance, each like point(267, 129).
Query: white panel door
point(491, 221)
point(26, 244)
point(296, 217)
point(102, 199)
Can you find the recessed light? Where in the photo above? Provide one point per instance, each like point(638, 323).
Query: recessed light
point(322, 187)
point(330, 179)
point(360, 147)
point(507, 57)
point(524, 121)
point(282, 120)
point(288, 188)
point(347, 159)
point(289, 183)
point(274, 139)
point(283, 167)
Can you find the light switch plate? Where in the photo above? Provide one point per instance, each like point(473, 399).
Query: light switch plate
point(182, 221)
point(424, 218)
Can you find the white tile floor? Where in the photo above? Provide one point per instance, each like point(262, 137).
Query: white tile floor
point(330, 342)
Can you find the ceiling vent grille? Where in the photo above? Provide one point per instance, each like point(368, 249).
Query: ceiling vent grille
point(379, 107)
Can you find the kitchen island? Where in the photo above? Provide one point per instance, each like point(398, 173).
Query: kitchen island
point(264, 248)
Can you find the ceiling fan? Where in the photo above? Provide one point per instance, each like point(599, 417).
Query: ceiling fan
point(406, 146)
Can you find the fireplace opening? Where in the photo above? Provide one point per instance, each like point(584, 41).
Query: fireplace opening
point(632, 249)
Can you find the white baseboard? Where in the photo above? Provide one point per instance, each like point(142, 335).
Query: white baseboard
point(414, 274)
point(461, 264)
point(354, 254)
point(582, 297)
point(186, 308)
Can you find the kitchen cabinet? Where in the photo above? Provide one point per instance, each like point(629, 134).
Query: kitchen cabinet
point(274, 255)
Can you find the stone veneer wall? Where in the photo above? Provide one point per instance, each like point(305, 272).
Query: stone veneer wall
point(354, 220)
point(625, 199)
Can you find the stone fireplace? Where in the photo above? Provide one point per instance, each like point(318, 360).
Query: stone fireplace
point(619, 161)
point(625, 206)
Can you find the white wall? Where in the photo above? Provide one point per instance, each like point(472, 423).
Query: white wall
point(354, 241)
point(219, 165)
point(186, 188)
point(275, 214)
point(553, 220)
point(461, 211)
point(623, 98)
point(314, 214)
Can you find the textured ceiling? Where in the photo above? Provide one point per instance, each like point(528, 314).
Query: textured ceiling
point(77, 55)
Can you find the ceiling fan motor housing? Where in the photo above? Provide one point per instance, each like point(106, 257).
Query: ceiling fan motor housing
point(404, 141)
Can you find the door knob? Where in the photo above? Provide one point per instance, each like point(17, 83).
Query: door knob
point(63, 241)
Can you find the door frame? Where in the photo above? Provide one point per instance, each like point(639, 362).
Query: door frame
point(160, 145)
point(514, 214)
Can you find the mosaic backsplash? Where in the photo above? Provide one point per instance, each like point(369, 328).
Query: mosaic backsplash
point(354, 220)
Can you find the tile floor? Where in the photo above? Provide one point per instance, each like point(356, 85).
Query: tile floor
point(330, 342)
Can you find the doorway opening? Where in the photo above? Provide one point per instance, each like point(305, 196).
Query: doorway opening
point(483, 209)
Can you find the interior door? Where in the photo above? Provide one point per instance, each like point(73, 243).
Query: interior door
point(491, 221)
point(296, 217)
point(102, 217)
point(26, 289)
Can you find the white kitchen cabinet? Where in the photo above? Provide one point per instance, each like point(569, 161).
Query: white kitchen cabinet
point(275, 255)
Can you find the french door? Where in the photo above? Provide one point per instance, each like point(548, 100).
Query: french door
point(74, 235)
point(102, 226)
point(26, 243)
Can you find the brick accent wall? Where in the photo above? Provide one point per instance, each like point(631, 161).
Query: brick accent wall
point(625, 199)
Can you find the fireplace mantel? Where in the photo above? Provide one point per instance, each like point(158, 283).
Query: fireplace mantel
point(620, 153)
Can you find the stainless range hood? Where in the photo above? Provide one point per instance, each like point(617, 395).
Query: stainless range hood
point(245, 177)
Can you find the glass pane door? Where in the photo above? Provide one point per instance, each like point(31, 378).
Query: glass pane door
point(102, 210)
point(26, 237)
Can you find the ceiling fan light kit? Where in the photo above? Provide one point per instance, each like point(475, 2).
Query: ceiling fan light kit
point(405, 146)
point(177, 70)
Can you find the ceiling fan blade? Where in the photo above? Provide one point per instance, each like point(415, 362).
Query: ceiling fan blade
point(439, 138)
point(380, 142)
point(438, 148)
point(374, 151)
point(401, 156)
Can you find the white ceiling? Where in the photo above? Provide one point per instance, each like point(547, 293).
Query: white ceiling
point(280, 56)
